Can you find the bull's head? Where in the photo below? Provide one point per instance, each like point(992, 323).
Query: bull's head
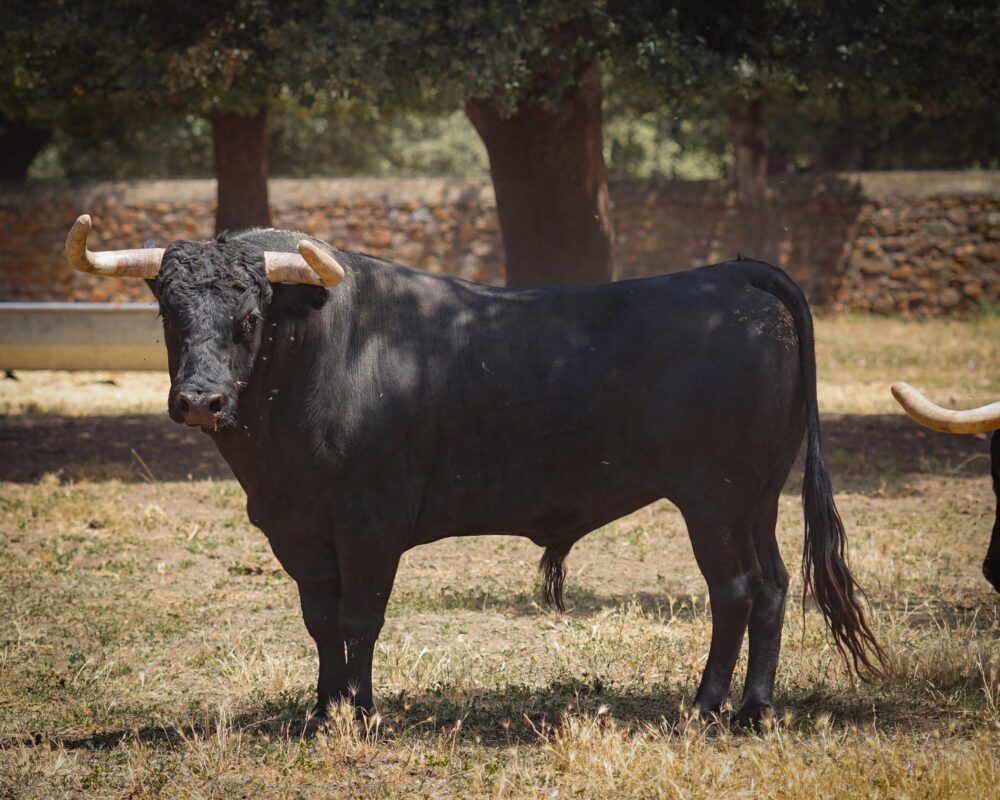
point(212, 297)
point(976, 420)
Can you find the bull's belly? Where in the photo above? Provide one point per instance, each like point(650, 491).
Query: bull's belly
point(551, 494)
point(563, 519)
point(567, 489)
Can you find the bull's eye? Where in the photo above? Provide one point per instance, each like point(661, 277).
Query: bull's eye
point(248, 325)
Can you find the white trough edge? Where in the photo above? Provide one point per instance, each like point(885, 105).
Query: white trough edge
point(81, 336)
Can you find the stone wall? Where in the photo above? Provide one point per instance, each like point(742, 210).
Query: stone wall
point(905, 243)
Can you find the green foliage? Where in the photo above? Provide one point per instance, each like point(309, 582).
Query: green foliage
point(300, 145)
point(662, 146)
point(401, 145)
point(84, 63)
point(178, 148)
point(355, 87)
point(907, 84)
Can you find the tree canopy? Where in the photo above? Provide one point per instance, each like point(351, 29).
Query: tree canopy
point(842, 83)
point(846, 84)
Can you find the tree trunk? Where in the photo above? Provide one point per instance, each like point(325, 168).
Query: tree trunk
point(240, 143)
point(844, 153)
point(19, 144)
point(757, 230)
point(551, 189)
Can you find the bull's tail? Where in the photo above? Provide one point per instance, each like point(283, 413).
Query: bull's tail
point(553, 571)
point(824, 564)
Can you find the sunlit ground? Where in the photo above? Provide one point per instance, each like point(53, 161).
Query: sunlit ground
point(150, 644)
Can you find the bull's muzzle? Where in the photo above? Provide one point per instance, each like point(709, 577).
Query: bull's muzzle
point(198, 409)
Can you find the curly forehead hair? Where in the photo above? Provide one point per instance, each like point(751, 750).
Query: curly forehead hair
point(219, 267)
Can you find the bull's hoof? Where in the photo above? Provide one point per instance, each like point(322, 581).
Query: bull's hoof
point(707, 719)
point(752, 717)
point(313, 723)
point(341, 708)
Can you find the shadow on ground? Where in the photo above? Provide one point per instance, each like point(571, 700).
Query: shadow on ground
point(134, 448)
point(513, 714)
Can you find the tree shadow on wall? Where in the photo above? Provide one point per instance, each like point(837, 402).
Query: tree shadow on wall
point(671, 226)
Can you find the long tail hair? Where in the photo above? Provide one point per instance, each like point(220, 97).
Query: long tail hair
point(824, 561)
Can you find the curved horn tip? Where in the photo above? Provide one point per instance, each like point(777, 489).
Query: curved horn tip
point(321, 262)
point(80, 231)
point(144, 263)
point(75, 248)
point(920, 409)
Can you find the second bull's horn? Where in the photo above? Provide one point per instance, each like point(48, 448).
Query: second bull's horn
point(311, 264)
point(975, 420)
point(110, 263)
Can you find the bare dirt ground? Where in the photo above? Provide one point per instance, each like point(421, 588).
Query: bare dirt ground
point(150, 644)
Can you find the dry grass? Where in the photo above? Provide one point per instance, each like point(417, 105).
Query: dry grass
point(954, 363)
point(75, 394)
point(151, 646)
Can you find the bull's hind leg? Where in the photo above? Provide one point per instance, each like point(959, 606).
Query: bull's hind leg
point(767, 615)
point(723, 546)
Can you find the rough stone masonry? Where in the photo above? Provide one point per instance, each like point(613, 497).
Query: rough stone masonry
point(907, 243)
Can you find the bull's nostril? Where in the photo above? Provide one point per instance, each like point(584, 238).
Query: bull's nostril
point(215, 405)
point(183, 406)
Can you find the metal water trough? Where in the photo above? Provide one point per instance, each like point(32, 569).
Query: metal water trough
point(81, 336)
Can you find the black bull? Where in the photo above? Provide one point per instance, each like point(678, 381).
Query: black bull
point(402, 407)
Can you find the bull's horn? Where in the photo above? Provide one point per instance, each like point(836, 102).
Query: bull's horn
point(922, 410)
point(312, 265)
point(110, 263)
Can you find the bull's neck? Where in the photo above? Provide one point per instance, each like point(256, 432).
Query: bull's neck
point(269, 425)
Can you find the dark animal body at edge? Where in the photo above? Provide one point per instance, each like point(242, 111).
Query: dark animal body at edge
point(403, 407)
point(991, 564)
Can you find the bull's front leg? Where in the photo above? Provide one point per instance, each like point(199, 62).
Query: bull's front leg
point(307, 553)
point(320, 600)
point(367, 575)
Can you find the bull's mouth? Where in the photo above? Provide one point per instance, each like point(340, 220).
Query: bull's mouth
point(215, 426)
